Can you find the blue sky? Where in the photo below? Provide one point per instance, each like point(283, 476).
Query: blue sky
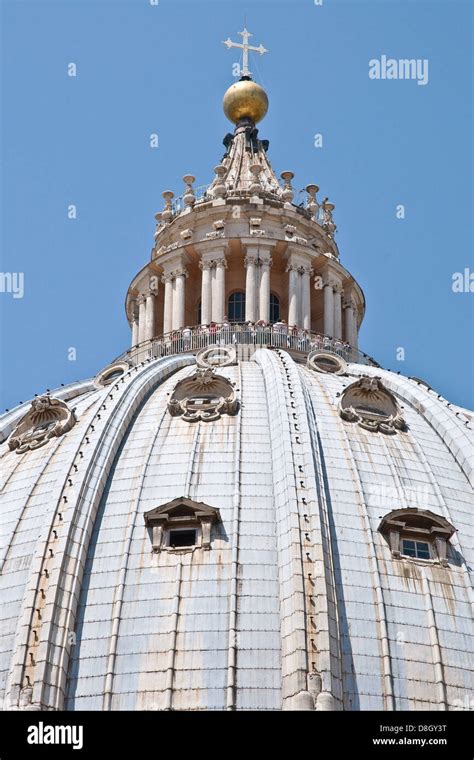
point(162, 69)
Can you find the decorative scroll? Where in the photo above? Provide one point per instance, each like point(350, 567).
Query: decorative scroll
point(47, 418)
point(371, 405)
point(203, 396)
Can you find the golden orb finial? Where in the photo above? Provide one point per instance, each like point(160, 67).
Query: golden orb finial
point(245, 99)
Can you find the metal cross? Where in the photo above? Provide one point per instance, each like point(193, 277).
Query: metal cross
point(245, 47)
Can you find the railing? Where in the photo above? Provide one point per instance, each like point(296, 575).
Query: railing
point(202, 194)
point(192, 339)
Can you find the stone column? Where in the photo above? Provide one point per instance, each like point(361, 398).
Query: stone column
point(250, 289)
point(337, 312)
point(134, 321)
point(355, 332)
point(167, 279)
point(264, 289)
point(206, 293)
point(293, 294)
point(218, 293)
point(350, 332)
point(150, 315)
point(141, 317)
point(306, 297)
point(178, 298)
point(328, 308)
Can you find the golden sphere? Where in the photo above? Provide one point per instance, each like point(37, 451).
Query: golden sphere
point(245, 100)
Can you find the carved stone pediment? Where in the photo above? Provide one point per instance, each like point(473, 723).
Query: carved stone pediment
point(203, 396)
point(369, 403)
point(47, 418)
point(179, 514)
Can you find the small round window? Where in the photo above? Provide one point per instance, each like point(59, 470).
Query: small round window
point(327, 363)
point(216, 356)
point(110, 374)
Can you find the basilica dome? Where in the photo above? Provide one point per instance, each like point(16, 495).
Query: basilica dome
point(243, 511)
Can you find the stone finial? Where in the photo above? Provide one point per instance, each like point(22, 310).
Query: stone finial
point(220, 190)
point(328, 223)
point(188, 197)
point(312, 204)
point(167, 212)
point(256, 186)
point(287, 191)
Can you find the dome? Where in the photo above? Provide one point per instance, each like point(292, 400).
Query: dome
point(245, 100)
point(240, 559)
point(243, 511)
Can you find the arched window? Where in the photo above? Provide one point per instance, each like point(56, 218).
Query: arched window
point(236, 307)
point(274, 308)
point(198, 313)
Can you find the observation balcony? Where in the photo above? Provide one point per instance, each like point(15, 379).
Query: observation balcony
point(246, 339)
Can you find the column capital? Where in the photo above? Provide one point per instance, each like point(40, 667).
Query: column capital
point(180, 272)
point(250, 261)
point(306, 269)
point(220, 262)
point(150, 292)
point(141, 298)
point(205, 264)
point(132, 313)
point(330, 281)
point(266, 262)
point(167, 278)
point(292, 268)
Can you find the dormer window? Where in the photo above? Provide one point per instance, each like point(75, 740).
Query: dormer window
point(417, 534)
point(181, 525)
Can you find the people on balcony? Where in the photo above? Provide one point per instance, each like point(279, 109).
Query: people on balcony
point(187, 337)
point(260, 333)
